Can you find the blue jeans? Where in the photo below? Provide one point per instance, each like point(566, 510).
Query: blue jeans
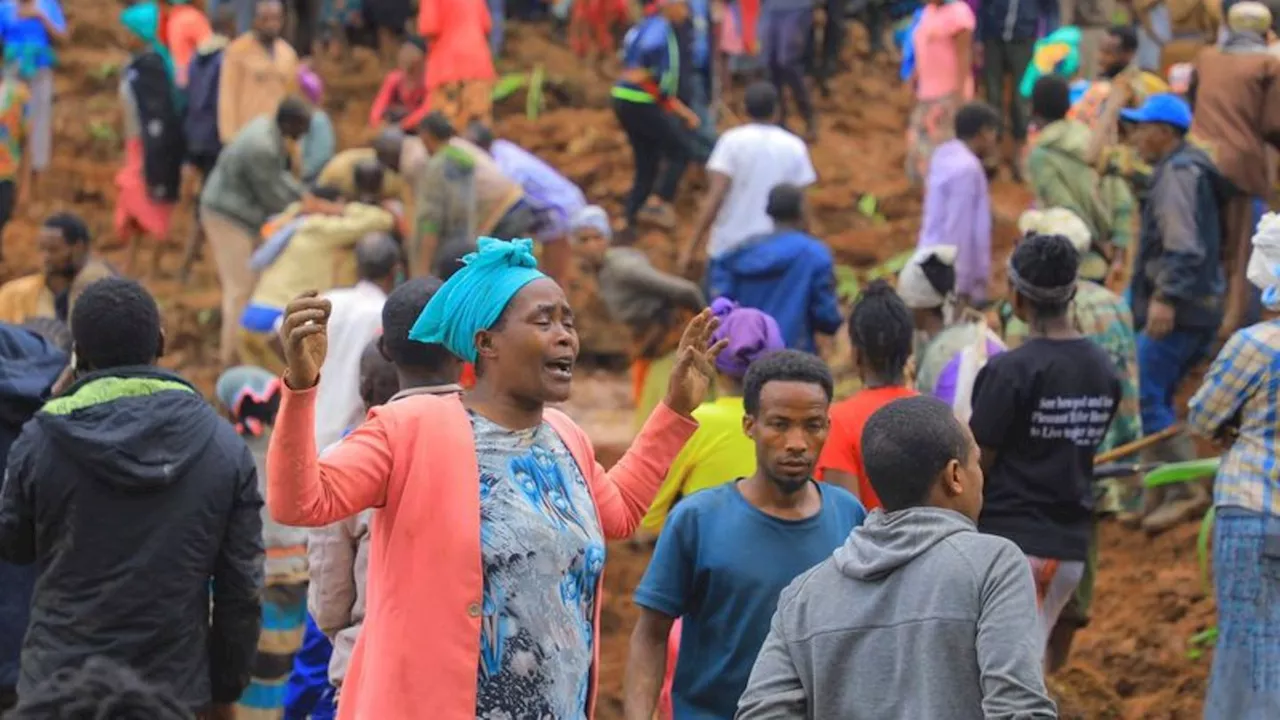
point(1162, 364)
point(1245, 682)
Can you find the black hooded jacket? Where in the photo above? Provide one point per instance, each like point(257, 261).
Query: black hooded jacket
point(140, 506)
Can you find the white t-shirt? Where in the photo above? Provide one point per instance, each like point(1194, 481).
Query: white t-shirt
point(757, 158)
point(355, 321)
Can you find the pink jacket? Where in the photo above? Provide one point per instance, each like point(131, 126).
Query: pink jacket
point(414, 460)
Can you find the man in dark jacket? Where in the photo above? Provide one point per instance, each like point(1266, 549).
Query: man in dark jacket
point(1178, 285)
point(1006, 33)
point(29, 366)
point(141, 509)
point(788, 274)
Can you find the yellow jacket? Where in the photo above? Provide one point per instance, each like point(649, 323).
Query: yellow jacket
point(319, 255)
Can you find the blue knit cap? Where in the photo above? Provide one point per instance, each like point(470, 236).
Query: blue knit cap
point(474, 298)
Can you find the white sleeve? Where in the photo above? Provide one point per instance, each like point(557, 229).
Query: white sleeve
point(805, 175)
point(723, 155)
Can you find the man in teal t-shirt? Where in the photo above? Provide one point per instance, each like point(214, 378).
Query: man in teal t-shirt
point(726, 553)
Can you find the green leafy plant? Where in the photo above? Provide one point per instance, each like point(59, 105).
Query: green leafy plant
point(105, 71)
point(849, 281)
point(102, 132)
point(531, 82)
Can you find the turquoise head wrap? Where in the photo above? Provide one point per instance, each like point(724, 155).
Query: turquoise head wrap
point(143, 20)
point(474, 298)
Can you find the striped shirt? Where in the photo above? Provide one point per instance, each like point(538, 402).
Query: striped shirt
point(1242, 389)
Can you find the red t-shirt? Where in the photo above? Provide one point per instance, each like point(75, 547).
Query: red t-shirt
point(843, 450)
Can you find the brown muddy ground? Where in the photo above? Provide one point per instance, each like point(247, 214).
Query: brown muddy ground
point(1131, 663)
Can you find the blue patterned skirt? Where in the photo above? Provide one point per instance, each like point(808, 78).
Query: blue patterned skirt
point(1245, 684)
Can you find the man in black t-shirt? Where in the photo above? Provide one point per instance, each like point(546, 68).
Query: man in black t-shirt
point(1039, 413)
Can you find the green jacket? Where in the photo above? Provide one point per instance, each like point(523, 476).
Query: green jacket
point(1061, 176)
point(252, 181)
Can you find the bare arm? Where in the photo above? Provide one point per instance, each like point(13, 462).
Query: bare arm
point(717, 188)
point(964, 60)
point(646, 664)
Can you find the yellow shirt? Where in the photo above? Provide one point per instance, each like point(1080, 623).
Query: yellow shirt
point(719, 452)
point(340, 173)
point(320, 254)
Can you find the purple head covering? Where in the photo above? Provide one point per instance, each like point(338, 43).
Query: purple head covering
point(751, 334)
point(311, 84)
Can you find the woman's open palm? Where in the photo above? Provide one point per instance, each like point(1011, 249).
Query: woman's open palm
point(695, 367)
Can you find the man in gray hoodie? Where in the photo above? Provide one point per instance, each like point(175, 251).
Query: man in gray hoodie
point(917, 615)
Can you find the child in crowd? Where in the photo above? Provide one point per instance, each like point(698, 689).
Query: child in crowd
point(917, 615)
point(882, 334)
point(251, 396)
point(726, 553)
point(1040, 412)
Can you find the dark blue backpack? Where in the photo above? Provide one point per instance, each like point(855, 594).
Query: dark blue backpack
point(201, 122)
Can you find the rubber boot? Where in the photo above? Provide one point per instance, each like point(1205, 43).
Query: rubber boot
point(1178, 503)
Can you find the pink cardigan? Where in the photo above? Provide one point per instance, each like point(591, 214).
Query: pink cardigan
point(414, 460)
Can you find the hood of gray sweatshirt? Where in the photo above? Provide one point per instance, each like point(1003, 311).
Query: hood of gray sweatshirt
point(917, 615)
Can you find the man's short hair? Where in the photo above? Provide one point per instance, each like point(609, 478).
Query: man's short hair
point(973, 118)
point(905, 447)
point(437, 125)
point(115, 323)
point(293, 109)
point(761, 100)
point(786, 203)
point(784, 366)
point(1127, 36)
point(449, 258)
point(399, 313)
point(1051, 98)
point(377, 255)
point(480, 134)
point(70, 226)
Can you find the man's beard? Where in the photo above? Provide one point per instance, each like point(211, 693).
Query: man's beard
point(789, 486)
point(1111, 72)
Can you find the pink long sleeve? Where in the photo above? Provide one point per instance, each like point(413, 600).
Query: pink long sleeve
point(624, 493)
point(305, 491)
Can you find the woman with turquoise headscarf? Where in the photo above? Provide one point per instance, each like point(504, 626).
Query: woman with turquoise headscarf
point(28, 31)
point(491, 512)
point(149, 182)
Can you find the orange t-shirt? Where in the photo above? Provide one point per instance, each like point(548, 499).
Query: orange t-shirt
point(843, 450)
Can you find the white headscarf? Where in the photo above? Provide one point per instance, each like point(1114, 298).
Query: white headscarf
point(1264, 262)
point(1058, 221)
point(913, 285)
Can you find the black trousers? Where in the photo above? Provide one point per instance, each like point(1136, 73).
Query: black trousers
point(660, 152)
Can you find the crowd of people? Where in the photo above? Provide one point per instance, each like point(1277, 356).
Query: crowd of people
point(925, 547)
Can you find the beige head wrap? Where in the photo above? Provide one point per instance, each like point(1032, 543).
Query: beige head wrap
point(1249, 16)
point(1058, 221)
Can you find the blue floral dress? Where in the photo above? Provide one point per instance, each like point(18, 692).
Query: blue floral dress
point(543, 553)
